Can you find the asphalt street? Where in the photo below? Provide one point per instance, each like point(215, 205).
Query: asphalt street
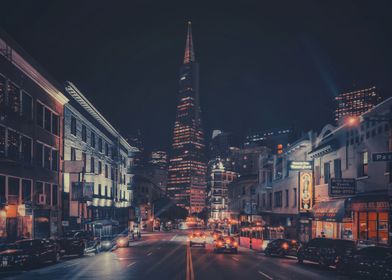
point(168, 256)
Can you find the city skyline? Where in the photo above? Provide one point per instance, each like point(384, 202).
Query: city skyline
point(124, 57)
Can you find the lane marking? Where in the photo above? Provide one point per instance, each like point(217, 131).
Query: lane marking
point(190, 275)
point(265, 275)
point(234, 258)
point(131, 264)
point(174, 237)
point(148, 254)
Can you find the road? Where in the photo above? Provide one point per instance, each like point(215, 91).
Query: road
point(167, 256)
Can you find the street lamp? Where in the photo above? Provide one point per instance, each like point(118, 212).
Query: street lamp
point(352, 121)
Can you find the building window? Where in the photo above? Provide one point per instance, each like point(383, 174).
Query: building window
point(373, 226)
point(55, 124)
point(14, 97)
point(337, 168)
point(47, 120)
point(100, 145)
point(287, 198)
point(13, 144)
point(40, 114)
point(278, 199)
point(26, 190)
point(92, 165)
point(106, 171)
point(106, 149)
point(39, 189)
point(73, 153)
point(47, 193)
point(92, 139)
point(13, 190)
point(363, 167)
point(84, 159)
point(73, 125)
point(263, 202)
point(99, 167)
point(2, 93)
point(26, 149)
point(84, 133)
point(106, 191)
point(295, 197)
point(39, 154)
point(270, 200)
point(55, 190)
point(327, 172)
point(27, 106)
point(55, 160)
point(99, 189)
point(47, 155)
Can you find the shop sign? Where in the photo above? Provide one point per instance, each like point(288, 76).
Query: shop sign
point(305, 191)
point(342, 187)
point(382, 156)
point(300, 165)
point(73, 166)
point(370, 206)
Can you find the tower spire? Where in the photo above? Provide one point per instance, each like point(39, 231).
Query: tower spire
point(189, 52)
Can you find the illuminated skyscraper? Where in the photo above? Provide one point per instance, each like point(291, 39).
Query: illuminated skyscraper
point(187, 165)
point(355, 103)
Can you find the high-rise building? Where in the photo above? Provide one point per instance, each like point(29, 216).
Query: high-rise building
point(275, 139)
point(219, 181)
point(355, 103)
point(187, 165)
point(159, 159)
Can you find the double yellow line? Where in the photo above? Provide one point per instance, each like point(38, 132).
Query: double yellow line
point(190, 275)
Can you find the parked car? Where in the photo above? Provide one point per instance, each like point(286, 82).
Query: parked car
point(370, 263)
point(29, 253)
point(226, 244)
point(197, 238)
point(282, 247)
point(75, 242)
point(325, 251)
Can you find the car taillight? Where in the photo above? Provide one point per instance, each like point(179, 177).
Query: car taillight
point(220, 243)
point(215, 236)
point(191, 236)
point(228, 241)
point(235, 244)
point(285, 246)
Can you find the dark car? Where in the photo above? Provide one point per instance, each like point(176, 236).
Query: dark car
point(325, 251)
point(369, 263)
point(75, 242)
point(197, 238)
point(107, 243)
point(30, 253)
point(226, 244)
point(282, 247)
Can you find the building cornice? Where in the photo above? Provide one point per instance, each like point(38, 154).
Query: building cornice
point(24, 66)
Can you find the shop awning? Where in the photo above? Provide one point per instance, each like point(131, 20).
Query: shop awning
point(329, 211)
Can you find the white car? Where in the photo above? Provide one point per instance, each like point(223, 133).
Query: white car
point(197, 238)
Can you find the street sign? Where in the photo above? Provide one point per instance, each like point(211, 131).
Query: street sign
point(300, 165)
point(382, 156)
point(342, 187)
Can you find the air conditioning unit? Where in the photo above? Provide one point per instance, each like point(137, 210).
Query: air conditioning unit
point(42, 199)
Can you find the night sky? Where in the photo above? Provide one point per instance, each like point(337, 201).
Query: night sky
point(262, 65)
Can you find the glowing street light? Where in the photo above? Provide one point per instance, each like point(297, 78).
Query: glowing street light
point(352, 121)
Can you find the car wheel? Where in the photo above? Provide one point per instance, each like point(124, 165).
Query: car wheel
point(281, 254)
point(322, 262)
point(267, 253)
point(300, 260)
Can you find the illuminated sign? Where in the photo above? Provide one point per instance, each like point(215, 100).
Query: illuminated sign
point(300, 165)
point(305, 191)
point(342, 187)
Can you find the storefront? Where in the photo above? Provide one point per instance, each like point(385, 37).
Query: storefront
point(331, 220)
point(371, 219)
